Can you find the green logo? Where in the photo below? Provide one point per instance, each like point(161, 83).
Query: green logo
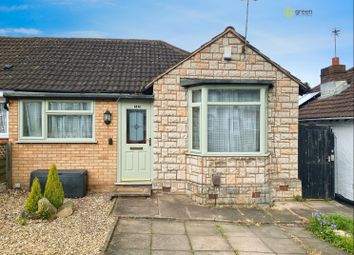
point(289, 12)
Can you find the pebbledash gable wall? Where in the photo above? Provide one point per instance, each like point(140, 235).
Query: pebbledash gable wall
point(244, 180)
point(100, 159)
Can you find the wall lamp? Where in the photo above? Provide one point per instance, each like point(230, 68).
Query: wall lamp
point(107, 117)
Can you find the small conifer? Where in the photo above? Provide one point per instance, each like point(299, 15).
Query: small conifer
point(31, 204)
point(54, 191)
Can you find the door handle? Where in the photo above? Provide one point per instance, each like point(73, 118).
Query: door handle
point(149, 141)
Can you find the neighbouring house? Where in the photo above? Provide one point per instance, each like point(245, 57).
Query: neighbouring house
point(331, 104)
point(219, 124)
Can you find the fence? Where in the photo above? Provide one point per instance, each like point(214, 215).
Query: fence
point(5, 164)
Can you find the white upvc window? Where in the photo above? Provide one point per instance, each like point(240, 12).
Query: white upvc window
point(227, 120)
point(4, 122)
point(56, 121)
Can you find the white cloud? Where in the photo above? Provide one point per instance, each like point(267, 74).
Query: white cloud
point(8, 8)
point(19, 31)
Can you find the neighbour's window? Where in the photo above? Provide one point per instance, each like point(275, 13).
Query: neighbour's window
point(57, 120)
point(231, 121)
point(3, 121)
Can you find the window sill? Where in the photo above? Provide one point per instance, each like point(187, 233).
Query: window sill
point(248, 155)
point(55, 142)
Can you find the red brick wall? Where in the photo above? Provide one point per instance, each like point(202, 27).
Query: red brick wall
point(100, 159)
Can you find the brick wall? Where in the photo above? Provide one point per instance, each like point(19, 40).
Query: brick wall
point(244, 179)
point(100, 159)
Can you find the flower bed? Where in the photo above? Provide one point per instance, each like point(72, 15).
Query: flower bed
point(84, 232)
point(334, 228)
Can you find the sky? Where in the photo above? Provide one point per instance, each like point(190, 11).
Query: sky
point(294, 33)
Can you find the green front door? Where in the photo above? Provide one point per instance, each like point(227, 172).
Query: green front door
point(135, 140)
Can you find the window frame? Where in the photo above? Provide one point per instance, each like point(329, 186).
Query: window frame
point(203, 124)
point(192, 105)
point(46, 112)
point(5, 135)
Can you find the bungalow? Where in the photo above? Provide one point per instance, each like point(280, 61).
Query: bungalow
point(218, 123)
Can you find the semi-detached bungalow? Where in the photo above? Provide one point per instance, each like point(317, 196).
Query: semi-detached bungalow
point(218, 123)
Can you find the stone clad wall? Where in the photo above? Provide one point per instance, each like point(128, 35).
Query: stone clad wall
point(100, 159)
point(244, 179)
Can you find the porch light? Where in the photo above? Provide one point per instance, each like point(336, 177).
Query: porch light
point(107, 117)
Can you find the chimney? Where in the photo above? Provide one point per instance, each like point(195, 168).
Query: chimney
point(335, 72)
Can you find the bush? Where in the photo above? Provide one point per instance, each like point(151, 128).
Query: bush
point(54, 191)
point(325, 227)
point(43, 213)
point(31, 204)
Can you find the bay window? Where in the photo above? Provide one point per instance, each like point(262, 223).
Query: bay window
point(228, 120)
point(57, 121)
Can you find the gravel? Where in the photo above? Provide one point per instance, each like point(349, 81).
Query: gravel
point(84, 232)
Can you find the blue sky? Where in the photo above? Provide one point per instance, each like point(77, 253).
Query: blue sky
point(302, 44)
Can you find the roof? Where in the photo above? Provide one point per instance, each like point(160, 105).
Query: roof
point(340, 106)
point(335, 107)
point(303, 87)
point(83, 65)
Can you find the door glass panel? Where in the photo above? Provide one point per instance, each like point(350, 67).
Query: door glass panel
point(136, 126)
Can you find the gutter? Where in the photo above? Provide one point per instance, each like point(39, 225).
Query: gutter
point(27, 94)
point(324, 119)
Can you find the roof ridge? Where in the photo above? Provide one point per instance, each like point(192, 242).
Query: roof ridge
point(79, 38)
point(175, 47)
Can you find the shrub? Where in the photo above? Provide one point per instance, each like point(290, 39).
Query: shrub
point(43, 213)
point(325, 227)
point(21, 220)
point(34, 196)
point(54, 191)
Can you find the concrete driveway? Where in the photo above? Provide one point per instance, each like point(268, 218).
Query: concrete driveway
point(173, 224)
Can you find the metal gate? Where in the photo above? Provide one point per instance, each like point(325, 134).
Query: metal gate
point(316, 161)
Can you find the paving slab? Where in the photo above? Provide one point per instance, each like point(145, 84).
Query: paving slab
point(283, 215)
point(168, 227)
point(331, 207)
point(229, 214)
point(324, 247)
point(134, 226)
point(268, 231)
point(298, 231)
point(256, 215)
point(279, 245)
point(202, 228)
point(170, 242)
point(140, 207)
point(249, 244)
point(255, 253)
point(236, 230)
point(209, 243)
point(173, 206)
point(164, 252)
point(214, 253)
point(127, 252)
point(131, 241)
